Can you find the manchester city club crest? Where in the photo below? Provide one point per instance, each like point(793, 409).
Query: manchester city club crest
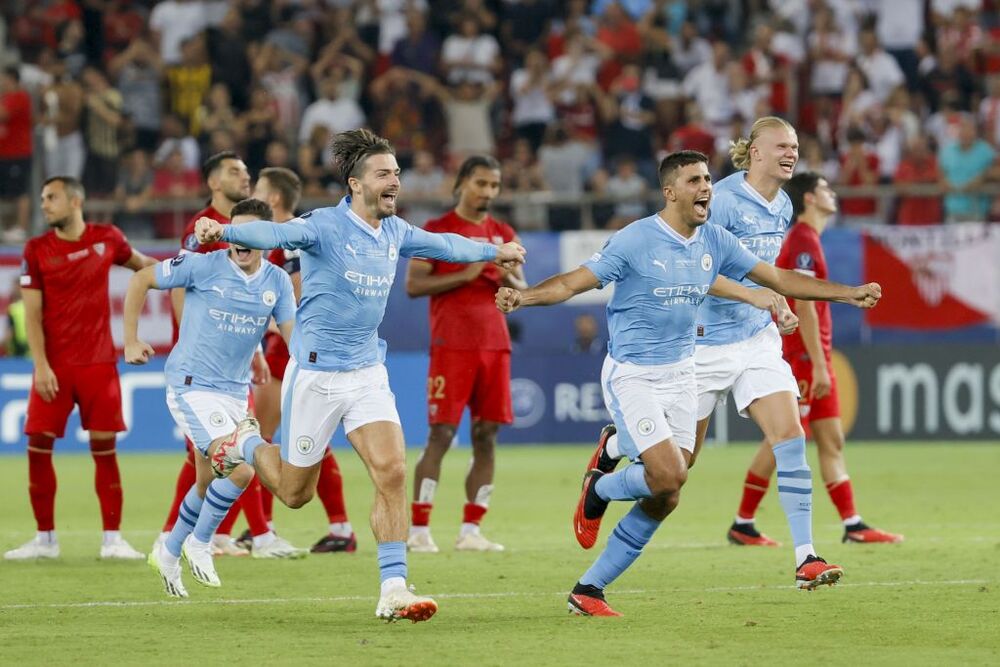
point(269, 297)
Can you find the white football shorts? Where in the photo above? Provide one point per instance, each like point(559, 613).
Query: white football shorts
point(650, 404)
point(205, 415)
point(314, 403)
point(752, 368)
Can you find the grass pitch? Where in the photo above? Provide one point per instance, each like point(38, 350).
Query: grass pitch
point(689, 599)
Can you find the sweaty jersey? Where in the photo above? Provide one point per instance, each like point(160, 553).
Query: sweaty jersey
point(760, 226)
point(226, 313)
point(73, 278)
point(348, 268)
point(803, 252)
point(661, 279)
point(466, 318)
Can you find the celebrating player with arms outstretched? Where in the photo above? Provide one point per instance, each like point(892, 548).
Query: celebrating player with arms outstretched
point(336, 373)
point(470, 356)
point(64, 284)
point(662, 266)
point(231, 295)
point(808, 352)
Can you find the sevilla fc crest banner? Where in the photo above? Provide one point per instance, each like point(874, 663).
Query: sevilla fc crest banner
point(934, 277)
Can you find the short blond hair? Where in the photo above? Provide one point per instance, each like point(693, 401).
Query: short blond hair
point(739, 150)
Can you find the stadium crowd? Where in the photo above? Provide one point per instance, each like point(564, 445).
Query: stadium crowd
point(573, 97)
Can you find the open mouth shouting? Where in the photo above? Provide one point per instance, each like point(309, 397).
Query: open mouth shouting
point(787, 166)
point(388, 198)
point(701, 205)
point(242, 254)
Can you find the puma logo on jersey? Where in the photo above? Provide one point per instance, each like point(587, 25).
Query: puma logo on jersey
point(220, 290)
point(351, 250)
point(660, 264)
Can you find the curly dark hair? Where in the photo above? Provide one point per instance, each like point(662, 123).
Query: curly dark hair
point(350, 150)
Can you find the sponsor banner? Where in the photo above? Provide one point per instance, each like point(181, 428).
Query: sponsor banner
point(886, 393)
point(934, 277)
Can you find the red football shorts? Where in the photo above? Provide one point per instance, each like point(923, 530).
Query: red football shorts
point(479, 379)
point(94, 387)
point(818, 408)
point(276, 354)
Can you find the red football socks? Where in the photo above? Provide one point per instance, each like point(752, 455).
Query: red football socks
point(42, 481)
point(421, 513)
point(107, 482)
point(473, 513)
point(754, 490)
point(842, 495)
point(330, 489)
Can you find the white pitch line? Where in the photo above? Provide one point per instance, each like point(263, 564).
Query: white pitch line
point(453, 596)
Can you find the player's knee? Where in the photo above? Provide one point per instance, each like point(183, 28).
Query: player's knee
point(665, 482)
point(659, 508)
point(784, 434)
point(389, 474)
point(297, 498)
point(440, 437)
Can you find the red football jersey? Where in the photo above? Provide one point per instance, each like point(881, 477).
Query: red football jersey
point(803, 252)
point(466, 318)
point(73, 278)
point(189, 241)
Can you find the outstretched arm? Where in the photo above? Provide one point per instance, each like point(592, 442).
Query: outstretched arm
point(136, 351)
point(458, 249)
point(800, 286)
point(260, 234)
point(763, 298)
point(550, 291)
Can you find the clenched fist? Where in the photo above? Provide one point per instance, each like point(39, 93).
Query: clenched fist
point(866, 296)
point(207, 230)
point(508, 299)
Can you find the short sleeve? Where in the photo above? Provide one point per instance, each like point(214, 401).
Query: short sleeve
point(284, 308)
point(31, 272)
point(177, 271)
point(803, 255)
point(735, 261)
point(610, 264)
point(122, 248)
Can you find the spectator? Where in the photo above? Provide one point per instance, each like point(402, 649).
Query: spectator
point(467, 108)
point(966, 164)
point(619, 34)
point(532, 92)
point(133, 192)
point(919, 166)
point(419, 49)
point(858, 167)
point(629, 121)
point(426, 180)
point(469, 55)
point(744, 94)
point(661, 78)
point(122, 24)
point(15, 153)
point(831, 51)
point(708, 85)
point(258, 127)
point(65, 151)
point(189, 81)
point(402, 113)
point(280, 72)
point(138, 75)
point(524, 24)
point(227, 51)
point(316, 166)
point(70, 46)
point(564, 165)
point(394, 21)
point(627, 186)
point(521, 173)
point(176, 137)
point(172, 22)
point(881, 69)
point(332, 110)
point(690, 49)
point(101, 131)
point(174, 180)
point(278, 154)
point(578, 64)
point(899, 25)
point(347, 70)
point(693, 135)
point(215, 113)
point(587, 339)
point(812, 158)
point(944, 124)
point(989, 111)
point(948, 77)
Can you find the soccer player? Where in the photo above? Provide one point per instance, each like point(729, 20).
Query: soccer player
point(663, 266)
point(470, 356)
point(228, 180)
point(231, 296)
point(336, 373)
point(739, 349)
point(281, 188)
point(64, 284)
point(808, 353)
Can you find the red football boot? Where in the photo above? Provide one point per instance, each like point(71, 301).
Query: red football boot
point(745, 534)
point(815, 572)
point(863, 534)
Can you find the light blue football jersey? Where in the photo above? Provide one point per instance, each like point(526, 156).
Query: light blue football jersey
point(660, 280)
point(760, 226)
point(226, 313)
point(347, 271)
